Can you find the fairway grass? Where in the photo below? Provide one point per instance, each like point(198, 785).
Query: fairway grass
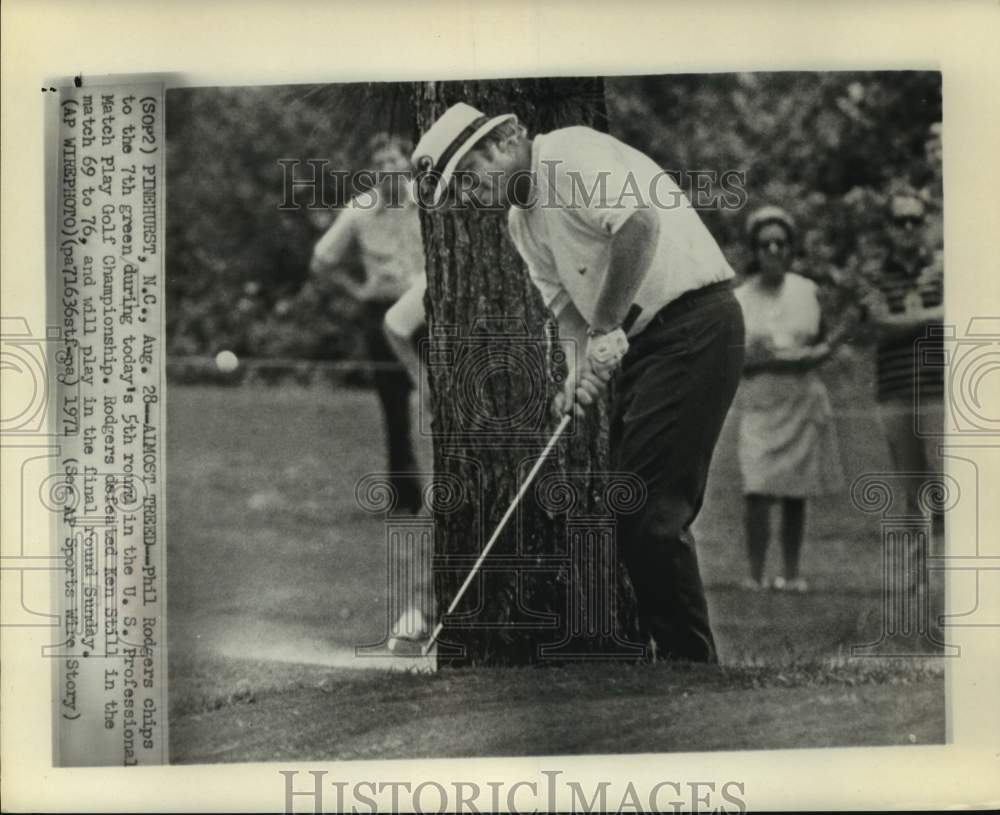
point(275, 575)
point(241, 710)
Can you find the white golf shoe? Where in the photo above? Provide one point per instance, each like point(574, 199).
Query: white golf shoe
point(409, 628)
point(791, 584)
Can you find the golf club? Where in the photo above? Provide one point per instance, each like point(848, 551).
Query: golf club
point(563, 424)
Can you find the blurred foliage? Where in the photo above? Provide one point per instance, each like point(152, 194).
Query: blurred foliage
point(825, 146)
point(236, 260)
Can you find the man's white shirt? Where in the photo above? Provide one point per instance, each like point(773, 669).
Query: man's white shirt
point(587, 185)
point(386, 239)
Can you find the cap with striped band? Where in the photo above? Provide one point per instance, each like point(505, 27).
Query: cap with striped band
point(447, 141)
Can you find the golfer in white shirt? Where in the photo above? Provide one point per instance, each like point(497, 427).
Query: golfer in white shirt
point(638, 284)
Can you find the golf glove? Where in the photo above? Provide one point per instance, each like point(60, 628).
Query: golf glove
point(605, 351)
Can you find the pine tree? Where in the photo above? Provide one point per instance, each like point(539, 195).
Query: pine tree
point(492, 378)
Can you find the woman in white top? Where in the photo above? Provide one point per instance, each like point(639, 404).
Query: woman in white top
point(787, 440)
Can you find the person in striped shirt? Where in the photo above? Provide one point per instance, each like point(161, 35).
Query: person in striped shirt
point(902, 298)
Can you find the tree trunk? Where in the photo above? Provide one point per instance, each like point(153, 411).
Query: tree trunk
point(552, 587)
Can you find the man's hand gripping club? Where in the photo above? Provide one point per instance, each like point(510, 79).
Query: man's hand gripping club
point(587, 377)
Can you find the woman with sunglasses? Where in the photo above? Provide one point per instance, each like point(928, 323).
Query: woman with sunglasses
point(787, 441)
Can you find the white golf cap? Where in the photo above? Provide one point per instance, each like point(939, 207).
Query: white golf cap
point(449, 139)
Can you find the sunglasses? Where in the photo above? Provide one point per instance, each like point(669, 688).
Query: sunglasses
point(766, 245)
point(908, 220)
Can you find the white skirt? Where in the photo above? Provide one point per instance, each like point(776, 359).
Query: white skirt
point(787, 440)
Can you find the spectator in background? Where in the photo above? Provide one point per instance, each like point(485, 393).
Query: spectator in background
point(788, 448)
point(379, 231)
point(405, 325)
point(935, 188)
point(902, 301)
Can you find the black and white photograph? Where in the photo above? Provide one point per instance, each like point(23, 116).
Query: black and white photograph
point(555, 416)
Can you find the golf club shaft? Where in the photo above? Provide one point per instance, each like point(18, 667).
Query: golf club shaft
point(563, 424)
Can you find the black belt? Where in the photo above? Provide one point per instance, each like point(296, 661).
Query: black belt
point(682, 305)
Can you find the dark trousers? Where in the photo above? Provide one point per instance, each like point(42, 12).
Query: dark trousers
point(393, 387)
point(671, 397)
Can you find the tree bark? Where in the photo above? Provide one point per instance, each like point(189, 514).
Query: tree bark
point(552, 587)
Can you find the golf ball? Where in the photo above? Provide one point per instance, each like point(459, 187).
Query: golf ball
point(226, 362)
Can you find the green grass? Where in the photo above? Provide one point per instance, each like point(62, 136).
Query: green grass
point(267, 548)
